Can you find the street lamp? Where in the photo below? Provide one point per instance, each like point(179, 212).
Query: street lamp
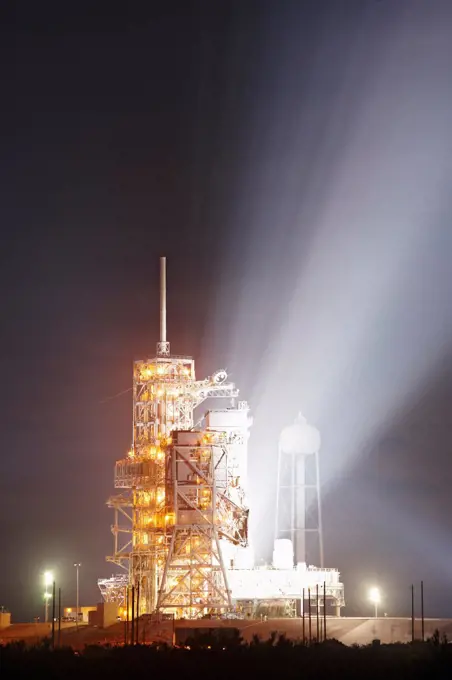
point(77, 566)
point(375, 597)
point(48, 580)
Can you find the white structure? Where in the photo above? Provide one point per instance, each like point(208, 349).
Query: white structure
point(283, 554)
point(268, 584)
point(113, 589)
point(298, 510)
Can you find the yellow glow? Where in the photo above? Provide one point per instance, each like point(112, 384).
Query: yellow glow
point(131, 453)
point(160, 393)
point(160, 455)
point(69, 610)
point(186, 371)
point(160, 369)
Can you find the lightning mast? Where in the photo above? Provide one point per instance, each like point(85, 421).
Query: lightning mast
point(181, 496)
point(163, 347)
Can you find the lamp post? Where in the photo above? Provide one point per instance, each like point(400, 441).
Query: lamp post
point(375, 597)
point(77, 566)
point(48, 580)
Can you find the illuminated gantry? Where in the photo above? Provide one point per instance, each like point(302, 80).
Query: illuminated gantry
point(201, 475)
point(181, 494)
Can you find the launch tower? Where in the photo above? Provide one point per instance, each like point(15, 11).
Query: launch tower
point(180, 497)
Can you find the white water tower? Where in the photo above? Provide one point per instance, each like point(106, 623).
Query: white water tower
point(298, 510)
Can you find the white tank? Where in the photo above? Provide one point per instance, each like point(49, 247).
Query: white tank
point(244, 558)
point(283, 554)
point(300, 438)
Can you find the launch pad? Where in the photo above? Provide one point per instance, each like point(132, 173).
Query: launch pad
point(181, 516)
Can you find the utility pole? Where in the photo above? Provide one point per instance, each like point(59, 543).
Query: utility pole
point(126, 619)
point(48, 580)
point(46, 602)
point(77, 567)
point(126, 641)
point(412, 613)
point(137, 638)
point(132, 636)
point(422, 611)
point(59, 617)
point(324, 611)
point(53, 616)
point(317, 611)
point(302, 613)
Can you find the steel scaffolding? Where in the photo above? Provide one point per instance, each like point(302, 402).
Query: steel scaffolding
point(177, 499)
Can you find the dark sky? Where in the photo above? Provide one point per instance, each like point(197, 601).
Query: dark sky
point(226, 136)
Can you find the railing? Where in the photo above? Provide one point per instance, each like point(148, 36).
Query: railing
point(137, 473)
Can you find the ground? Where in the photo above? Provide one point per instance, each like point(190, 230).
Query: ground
point(347, 630)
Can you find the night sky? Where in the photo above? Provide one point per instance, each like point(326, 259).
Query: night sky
point(224, 135)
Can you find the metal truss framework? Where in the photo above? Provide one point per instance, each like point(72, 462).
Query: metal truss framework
point(114, 589)
point(201, 474)
point(165, 395)
point(194, 579)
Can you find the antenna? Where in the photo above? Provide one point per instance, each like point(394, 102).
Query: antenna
point(163, 346)
point(163, 299)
